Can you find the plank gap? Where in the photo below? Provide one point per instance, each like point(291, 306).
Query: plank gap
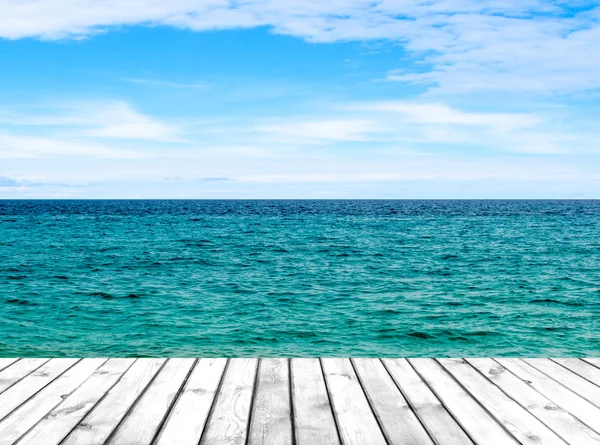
point(134, 404)
point(214, 402)
point(335, 420)
point(253, 400)
point(173, 402)
point(408, 401)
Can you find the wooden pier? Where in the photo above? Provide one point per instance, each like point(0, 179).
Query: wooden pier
point(487, 401)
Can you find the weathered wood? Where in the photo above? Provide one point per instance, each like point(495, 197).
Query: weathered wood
point(575, 383)
point(592, 361)
point(27, 415)
point(523, 425)
point(188, 416)
point(142, 423)
point(562, 397)
point(442, 428)
point(271, 420)
point(28, 386)
point(313, 417)
point(299, 401)
point(19, 370)
point(97, 426)
point(228, 423)
point(480, 426)
point(355, 419)
point(397, 419)
point(6, 362)
point(581, 368)
point(560, 421)
point(55, 426)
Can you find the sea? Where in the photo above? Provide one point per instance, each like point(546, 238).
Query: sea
point(327, 278)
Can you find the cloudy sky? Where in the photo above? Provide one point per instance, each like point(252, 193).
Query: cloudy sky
point(299, 99)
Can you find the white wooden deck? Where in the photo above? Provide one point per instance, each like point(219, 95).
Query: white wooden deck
point(299, 401)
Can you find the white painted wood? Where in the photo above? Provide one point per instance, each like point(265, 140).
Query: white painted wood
point(480, 426)
point(142, 423)
point(27, 415)
point(560, 421)
point(188, 416)
point(561, 396)
point(19, 370)
point(441, 426)
point(6, 362)
point(19, 393)
point(228, 422)
point(575, 383)
point(592, 361)
point(97, 426)
point(399, 423)
point(581, 368)
point(313, 417)
point(523, 425)
point(55, 426)
point(271, 419)
point(355, 419)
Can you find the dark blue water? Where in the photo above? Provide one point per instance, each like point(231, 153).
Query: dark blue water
point(299, 278)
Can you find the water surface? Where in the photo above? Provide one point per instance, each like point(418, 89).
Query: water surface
point(299, 278)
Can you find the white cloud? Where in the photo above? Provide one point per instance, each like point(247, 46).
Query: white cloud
point(97, 120)
point(298, 130)
point(416, 126)
point(24, 146)
point(115, 129)
point(436, 113)
point(540, 46)
point(166, 83)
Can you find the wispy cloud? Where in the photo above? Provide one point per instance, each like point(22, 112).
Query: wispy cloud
point(96, 119)
point(20, 146)
point(439, 113)
point(536, 46)
point(422, 126)
point(169, 84)
point(371, 145)
point(301, 130)
point(215, 179)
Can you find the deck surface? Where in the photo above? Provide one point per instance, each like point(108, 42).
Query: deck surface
point(299, 401)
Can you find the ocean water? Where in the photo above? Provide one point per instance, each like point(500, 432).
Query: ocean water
point(299, 278)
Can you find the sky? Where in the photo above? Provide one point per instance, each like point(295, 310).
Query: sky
point(211, 99)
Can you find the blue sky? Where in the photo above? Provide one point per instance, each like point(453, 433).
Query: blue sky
point(299, 99)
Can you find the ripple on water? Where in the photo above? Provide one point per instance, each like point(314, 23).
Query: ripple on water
point(302, 278)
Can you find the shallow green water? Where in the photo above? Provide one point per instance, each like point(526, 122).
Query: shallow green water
point(299, 278)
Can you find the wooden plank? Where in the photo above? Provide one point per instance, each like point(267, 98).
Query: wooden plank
point(63, 418)
point(6, 362)
point(313, 417)
point(480, 426)
point(523, 425)
point(442, 428)
point(561, 396)
point(355, 419)
point(143, 422)
point(97, 426)
point(560, 421)
point(19, 370)
point(581, 368)
point(228, 423)
point(188, 417)
point(399, 423)
point(577, 384)
point(26, 416)
point(19, 393)
point(592, 361)
point(271, 419)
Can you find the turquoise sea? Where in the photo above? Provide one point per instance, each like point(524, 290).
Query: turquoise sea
point(299, 278)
